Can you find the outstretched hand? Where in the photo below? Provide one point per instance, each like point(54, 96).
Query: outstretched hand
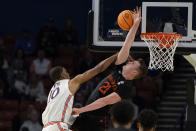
point(75, 111)
point(137, 15)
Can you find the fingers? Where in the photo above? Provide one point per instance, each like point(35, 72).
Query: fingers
point(137, 10)
point(140, 11)
point(74, 113)
point(134, 11)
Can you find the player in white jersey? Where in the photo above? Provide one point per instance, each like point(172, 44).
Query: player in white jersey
point(60, 99)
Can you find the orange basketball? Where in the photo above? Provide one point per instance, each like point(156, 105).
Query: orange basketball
point(125, 20)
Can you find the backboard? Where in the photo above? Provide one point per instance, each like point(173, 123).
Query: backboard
point(156, 17)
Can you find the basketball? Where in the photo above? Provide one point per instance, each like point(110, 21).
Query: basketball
point(125, 20)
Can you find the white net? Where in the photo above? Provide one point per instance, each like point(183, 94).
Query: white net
point(162, 47)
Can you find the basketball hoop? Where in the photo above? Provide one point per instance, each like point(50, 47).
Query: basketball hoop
point(162, 47)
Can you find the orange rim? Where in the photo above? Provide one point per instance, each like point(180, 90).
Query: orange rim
point(156, 36)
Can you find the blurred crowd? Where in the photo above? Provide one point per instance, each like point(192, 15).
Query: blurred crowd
point(25, 61)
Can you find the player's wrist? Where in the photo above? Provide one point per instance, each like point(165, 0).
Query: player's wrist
point(137, 23)
point(81, 110)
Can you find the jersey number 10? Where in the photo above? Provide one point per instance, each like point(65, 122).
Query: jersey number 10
point(53, 94)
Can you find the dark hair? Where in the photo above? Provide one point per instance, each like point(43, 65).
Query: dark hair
point(148, 119)
point(142, 69)
point(122, 112)
point(55, 73)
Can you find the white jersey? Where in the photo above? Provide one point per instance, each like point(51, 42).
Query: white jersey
point(59, 104)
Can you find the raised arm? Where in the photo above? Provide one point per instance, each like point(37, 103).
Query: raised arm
point(99, 103)
point(124, 51)
point(81, 78)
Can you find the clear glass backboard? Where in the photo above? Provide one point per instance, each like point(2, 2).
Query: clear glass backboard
point(169, 17)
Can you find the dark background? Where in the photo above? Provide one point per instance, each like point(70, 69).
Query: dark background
point(32, 14)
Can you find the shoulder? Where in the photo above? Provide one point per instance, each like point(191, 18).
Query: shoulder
point(120, 66)
point(62, 82)
point(125, 83)
point(65, 84)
